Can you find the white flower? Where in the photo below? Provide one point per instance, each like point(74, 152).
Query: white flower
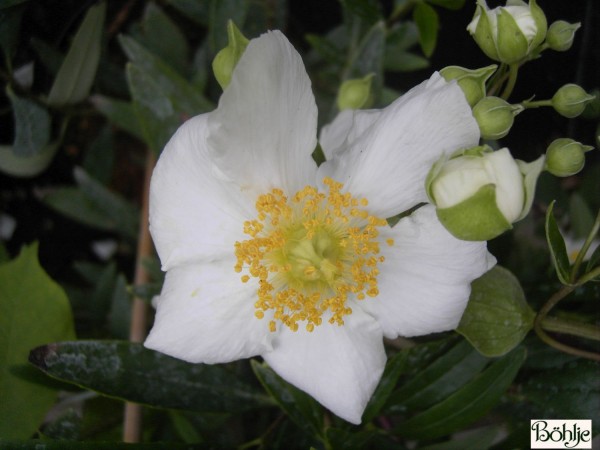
point(238, 285)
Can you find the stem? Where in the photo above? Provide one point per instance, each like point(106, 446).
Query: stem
point(573, 328)
point(536, 104)
point(132, 421)
point(513, 71)
point(586, 245)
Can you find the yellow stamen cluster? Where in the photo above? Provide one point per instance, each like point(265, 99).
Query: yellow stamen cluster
point(308, 253)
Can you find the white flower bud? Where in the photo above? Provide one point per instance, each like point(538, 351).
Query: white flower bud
point(478, 193)
point(508, 33)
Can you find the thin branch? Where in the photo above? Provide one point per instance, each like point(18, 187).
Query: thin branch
point(132, 423)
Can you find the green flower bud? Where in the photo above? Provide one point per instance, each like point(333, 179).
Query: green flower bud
point(478, 193)
point(226, 60)
point(355, 94)
point(561, 34)
point(472, 82)
point(565, 157)
point(570, 100)
point(508, 33)
point(495, 117)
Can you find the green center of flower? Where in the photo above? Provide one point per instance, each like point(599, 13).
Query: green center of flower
point(309, 253)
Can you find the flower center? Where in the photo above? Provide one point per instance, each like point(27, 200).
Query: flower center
point(309, 253)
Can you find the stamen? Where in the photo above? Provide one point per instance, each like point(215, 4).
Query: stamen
point(309, 253)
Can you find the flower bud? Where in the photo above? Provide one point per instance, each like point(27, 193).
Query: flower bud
point(561, 34)
point(565, 157)
point(355, 94)
point(508, 33)
point(479, 193)
point(495, 117)
point(472, 82)
point(570, 100)
point(226, 60)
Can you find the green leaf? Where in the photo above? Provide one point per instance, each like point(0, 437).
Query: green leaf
point(594, 260)
point(428, 23)
point(393, 369)
point(448, 4)
point(185, 98)
point(26, 166)
point(192, 9)
point(497, 317)
point(405, 62)
point(120, 113)
point(368, 58)
point(119, 317)
point(481, 438)
point(32, 125)
point(131, 372)
point(154, 110)
point(347, 440)
point(569, 391)
point(78, 70)
point(91, 445)
point(99, 157)
point(95, 205)
point(557, 247)
point(49, 56)
point(446, 373)
point(468, 404)
point(580, 215)
point(33, 310)
point(160, 35)
point(300, 407)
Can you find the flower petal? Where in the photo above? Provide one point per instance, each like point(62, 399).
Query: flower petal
point(388, 163)
point(205, 314)
point(424, 284)
point(340, 366)
point(195, 212)
point(348, 125)
point(264, 131)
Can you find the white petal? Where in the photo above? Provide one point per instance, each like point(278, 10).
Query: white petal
point(510, 191)
point(195, 213)
point(205, 314)
point(388, 163)
point(340, 366)
point(424, 284)
point(348, 125)
point(264, 130)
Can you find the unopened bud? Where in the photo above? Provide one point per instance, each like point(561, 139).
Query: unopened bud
point(570, 100)
point(472, 82)
point(561, 34)
point(226, 60)
point(495, 117)
point(565, 157)
point(478, 193)
point(355, 94)
point(508, 33)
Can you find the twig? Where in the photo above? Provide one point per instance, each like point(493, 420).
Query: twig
point(132, 423)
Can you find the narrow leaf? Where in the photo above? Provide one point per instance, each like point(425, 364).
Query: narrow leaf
point(300, 407)
point(120, 113)
point(428, 23)
point(78, 70)
point(442, 377)
point(33, 310)
point(26, 166)
point(497, 317)
point(393, 369)
point(468, 404)
point(131, 372)
point(557, 247)
point(32, 125)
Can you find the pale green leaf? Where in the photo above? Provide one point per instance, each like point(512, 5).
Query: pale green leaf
point(78, 70)
point(34, 310)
